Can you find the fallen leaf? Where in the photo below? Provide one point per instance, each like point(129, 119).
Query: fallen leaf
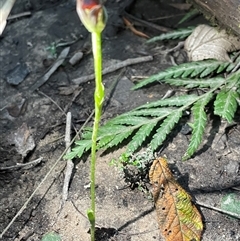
point(207, 42)
point(230, 203)
point(23, 140)
point(178, 218)
point(68, 90)
point(51, 236)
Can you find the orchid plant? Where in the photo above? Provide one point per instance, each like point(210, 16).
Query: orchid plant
point(94, 16)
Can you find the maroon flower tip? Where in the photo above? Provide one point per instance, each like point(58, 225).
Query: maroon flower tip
point(89, 4)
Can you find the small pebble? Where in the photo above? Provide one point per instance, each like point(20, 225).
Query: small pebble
point(17, 74)
point(186, 129)
point(232, 167)
point(76, 58)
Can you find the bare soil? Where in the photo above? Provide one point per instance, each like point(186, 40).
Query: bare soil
point(122, 213)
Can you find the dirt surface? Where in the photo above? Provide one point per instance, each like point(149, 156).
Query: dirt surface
point(35, 121)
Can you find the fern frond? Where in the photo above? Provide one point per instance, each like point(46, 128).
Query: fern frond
point(151, 111)
point(107, 130)
point(128, 119)
point(196, 83)
point(104, 141)
point(138, 123)
point(172, 101)
point(177, 34)
point(191, 69)
point(200, 120)
point(140, 137)
point(165, 129)
point(189, 15)
point(159, 118)
point(233, 80)
point(119, 138)
point(81, 147)
point(225, 104)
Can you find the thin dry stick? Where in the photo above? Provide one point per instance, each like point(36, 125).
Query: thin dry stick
point(75, 95)
point(235, 215)
point(25, 165)
point(44, 179)
point(70, 164)
point(148, 24)
point(19, 15)
point(49, 73)
point(55, 103)
point(32, 195)
point(113, 68)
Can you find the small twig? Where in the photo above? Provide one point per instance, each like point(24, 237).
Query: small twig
point(133, 29)
point(148, 24)
point(111, 89)
point(166, 17)
point(19, 15)
point(235, 215)
point(70, 164)
point(136, 77)
point(236, 68)
point(44, 179)
point(53, 101)
point(75, 95)
point(19, 165)
point(113, 68)
point(175, 48)
point(49, 73)
point(168, 94)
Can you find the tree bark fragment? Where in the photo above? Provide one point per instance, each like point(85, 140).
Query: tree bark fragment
point(225, 13)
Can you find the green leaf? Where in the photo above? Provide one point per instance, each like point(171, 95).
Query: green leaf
point(233, 80)
point(230, 203)
point(51, 236)
point(200, 120)
point(91, 216)
point(140, 137)
point(120, 137)
point(81, 147)
point(191, 69)
point(143, 121)
point(127, 120)
point(105, 140)
point(172, 101)
point(189, 15)
point(177, 34)
point(165, 129)
point(225, 104)
point(196, 83)
point(152, 112)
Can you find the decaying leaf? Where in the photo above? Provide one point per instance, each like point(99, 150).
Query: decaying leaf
point(207, 42)
point(178, 218)
point(23, 140)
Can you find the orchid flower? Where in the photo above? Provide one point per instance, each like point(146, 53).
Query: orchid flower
point(92, 14)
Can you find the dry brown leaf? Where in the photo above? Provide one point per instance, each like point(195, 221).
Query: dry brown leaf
point(207, 42)
point(23, 140)
point(178, 218)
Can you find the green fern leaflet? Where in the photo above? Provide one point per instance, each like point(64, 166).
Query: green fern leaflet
point(150, 124)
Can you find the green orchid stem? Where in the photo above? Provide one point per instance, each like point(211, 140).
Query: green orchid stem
point(98, 97)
